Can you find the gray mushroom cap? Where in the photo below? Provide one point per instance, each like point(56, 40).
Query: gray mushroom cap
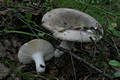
point(36, 45)
point(36, 50)
point(72, 25)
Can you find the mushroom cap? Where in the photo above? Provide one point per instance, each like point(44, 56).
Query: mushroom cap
point(34, 46)
point(72, 25)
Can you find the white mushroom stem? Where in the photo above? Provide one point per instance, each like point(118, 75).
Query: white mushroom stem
point(39, 61)
point(64, 44)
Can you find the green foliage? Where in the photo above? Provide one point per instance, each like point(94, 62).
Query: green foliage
point(66, 4)
point(28, 16)
point(114, 63)
point(19, 32)
point(112, 28)
point(114, 31)
point(117, 74)
point(48, 5)
point(25, 0)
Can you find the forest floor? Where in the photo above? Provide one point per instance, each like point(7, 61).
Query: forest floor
point(14, 33)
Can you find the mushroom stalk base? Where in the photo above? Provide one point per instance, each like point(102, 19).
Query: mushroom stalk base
point(39, 61)
point(64, 44)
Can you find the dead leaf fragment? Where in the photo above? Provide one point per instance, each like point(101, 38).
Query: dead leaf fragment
point(3, 71)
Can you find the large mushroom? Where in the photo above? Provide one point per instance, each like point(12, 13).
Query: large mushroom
point(37, 50)
point(71, 25)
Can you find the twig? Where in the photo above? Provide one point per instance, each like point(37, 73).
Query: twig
point(74, 71)
point(86, 63)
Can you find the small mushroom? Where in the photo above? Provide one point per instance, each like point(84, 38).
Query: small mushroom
point(71, 25)
point(37, 50)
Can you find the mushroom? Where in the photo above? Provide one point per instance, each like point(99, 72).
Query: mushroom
point(37, 50)
point(71, 25)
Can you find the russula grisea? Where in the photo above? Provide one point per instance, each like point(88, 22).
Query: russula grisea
point(37, 50)
point(70, 25)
